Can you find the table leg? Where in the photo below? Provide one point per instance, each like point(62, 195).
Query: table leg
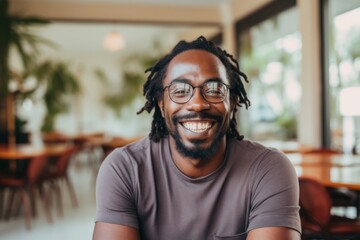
point(358, 204)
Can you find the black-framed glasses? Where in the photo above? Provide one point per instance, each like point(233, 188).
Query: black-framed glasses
point(212, 92)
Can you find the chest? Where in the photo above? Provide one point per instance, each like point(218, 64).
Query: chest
point(168, 206)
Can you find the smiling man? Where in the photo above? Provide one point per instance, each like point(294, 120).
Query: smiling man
point(195, 177)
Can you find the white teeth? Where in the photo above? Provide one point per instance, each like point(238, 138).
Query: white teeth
point(197, 127)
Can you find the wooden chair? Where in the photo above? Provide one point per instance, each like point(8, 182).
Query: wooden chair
point(55, 137)
point(58, 172)
point(25, 186)
point(341, 197)
point(320, 151)
point(315, 212)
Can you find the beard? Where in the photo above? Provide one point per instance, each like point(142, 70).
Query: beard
point(198, 152)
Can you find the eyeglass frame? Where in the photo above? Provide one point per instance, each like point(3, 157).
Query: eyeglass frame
point(228, 87)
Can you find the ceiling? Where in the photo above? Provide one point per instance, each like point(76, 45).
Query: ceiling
point(162, 2)
point(87, 36)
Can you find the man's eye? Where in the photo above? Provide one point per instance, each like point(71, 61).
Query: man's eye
point(213, 92)
point(181, 91)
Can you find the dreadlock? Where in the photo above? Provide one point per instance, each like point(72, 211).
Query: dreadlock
point(153, 88)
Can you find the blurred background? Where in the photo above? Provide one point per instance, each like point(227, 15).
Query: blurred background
point(71, 72)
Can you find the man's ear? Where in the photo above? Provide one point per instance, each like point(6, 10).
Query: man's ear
point(161, 106)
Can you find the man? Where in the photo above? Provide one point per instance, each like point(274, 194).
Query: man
point(195, 177)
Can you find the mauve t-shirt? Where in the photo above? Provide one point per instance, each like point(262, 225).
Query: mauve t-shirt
point(140, 186)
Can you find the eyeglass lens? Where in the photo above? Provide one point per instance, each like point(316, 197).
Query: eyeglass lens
point(213, 92)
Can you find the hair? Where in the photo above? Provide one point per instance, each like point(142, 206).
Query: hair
point(153, 87)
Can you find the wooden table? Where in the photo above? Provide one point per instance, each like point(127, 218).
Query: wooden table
point(286, 146)
point(119, 142)
point(332, 170)
point(27, 151)
point(97, 139)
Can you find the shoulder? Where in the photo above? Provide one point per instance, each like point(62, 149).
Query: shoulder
point(266, 162)
point(272, 183)
point(138, 146)
point(139, 154)
point(255, 151)
point(123, 163)
point(260, 159)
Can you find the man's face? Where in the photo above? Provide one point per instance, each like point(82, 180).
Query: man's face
point(197, 126)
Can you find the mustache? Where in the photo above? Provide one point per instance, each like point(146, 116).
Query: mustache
point(199, 115)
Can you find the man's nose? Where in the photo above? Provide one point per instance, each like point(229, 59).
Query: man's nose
point(197, 102)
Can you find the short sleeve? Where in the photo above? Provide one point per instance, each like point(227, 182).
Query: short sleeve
point(115, 201)
point(275, 193)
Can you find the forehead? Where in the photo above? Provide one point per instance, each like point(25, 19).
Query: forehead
point(195, 66)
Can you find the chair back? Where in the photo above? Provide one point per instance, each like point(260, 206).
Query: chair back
point(63, 161)
point(340, 197)
point(315, 202)
point(327, 151)
point(36, 168)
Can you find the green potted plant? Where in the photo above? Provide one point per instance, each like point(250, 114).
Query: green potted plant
point(16, 35)
point(60, 82)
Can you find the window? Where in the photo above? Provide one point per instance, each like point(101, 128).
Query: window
point(343, 71)
point(270, 55)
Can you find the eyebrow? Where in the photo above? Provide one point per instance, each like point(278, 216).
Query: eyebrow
point(185, 80)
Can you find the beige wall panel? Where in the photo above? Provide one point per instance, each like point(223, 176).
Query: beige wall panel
point(119, 12)
point(309, 128)
point(242, 8)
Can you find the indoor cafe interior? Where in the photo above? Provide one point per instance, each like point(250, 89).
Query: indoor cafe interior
point(71, 77)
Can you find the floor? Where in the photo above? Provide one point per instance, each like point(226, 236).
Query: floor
point(77, 223)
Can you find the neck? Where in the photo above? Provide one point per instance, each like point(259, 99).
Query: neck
point(195, 168)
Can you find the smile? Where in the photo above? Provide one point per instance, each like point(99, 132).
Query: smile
point(197, 127)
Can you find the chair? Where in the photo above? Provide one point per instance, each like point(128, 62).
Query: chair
point(25, 185)
point(315, 212)
point(55, 137)
point(56, 173)
point(320, 151)
point(341, 197)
